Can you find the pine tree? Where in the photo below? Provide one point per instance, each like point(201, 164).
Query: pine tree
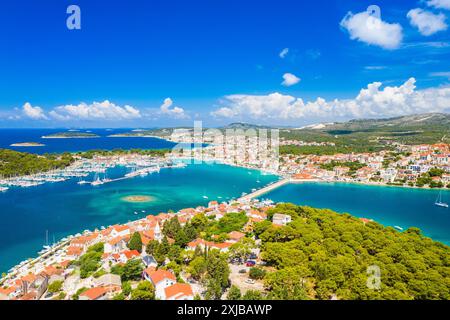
point(135, 242)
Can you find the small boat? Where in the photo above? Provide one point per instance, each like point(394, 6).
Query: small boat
point(136, 212)
point(97, 182)
point(398, 228)
point(83, 182)
point(46, 246)
point(439, 202)
point(205, 197)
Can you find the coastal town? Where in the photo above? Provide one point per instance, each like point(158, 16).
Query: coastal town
point(64, 273)
point(411, 166)
point(424, 165)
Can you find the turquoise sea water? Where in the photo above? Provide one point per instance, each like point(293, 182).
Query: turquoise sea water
point(67, 208)
point(390, 206)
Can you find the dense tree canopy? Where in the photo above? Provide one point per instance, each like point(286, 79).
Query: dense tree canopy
point(13, 163)
point(322, 254)
point(90, 261)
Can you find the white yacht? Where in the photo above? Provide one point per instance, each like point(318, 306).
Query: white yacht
point(439, 201)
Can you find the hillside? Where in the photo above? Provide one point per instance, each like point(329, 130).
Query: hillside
point(367, 135)
point(422, 121)
point(325, 255)
point(244, 126)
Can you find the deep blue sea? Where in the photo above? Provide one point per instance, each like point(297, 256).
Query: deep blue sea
point(10, 136)
point(390, 206)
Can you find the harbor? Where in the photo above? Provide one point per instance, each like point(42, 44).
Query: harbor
point(136, 164)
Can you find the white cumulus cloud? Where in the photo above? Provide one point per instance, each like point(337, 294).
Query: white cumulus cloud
point(290, 79)
point(427, 22)
point(175, 112)
point(36, 113)
point(374, 101)
point(284, 53)
point(439, 4)
point(105, 110)
point(372, 30)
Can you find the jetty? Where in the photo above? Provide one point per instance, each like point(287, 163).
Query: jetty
point(264, 190)
point(273, 186)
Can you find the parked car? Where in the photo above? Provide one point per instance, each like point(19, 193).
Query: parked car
point(250, 263)
point(242, 271)
point(253, 256)
point(250, 281)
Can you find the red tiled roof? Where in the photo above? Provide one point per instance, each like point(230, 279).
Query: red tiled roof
point(131, 253)
point(160, 275)
point(177, 290)
point(94, 293)
point(149, 270)
point(29, 296)
point(120, 228)
point(74, 251)
point(8, 290)
point(30, 278)
point(236, 235)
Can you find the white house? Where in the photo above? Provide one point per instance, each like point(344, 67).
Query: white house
point(161, 279)
point(281, 219)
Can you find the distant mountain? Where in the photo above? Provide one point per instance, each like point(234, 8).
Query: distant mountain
point(412, 121)
point(244, 126)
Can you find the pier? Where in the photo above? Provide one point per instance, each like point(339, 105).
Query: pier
point(264, 190)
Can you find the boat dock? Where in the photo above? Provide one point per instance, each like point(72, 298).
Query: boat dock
point(264, 190)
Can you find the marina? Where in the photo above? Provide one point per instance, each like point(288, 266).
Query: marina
point(138, 166)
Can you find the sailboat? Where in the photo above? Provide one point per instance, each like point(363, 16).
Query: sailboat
point(81, 181)
point(46, 246)
point(97, 180)
point(439, 202)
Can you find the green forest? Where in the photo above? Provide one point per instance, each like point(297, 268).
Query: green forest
point(322, 254)
point(14, 163)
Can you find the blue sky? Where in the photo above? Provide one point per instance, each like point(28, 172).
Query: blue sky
point(172, 62)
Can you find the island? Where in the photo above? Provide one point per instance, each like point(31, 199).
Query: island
point(141, 133)
point(27, 144)
point(138, 198)
point(70, 134)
